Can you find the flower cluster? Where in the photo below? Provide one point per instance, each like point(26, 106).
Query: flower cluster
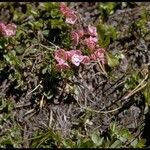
point(70, 15)
point(7, 30)
point(64, 58)
point(86, 38)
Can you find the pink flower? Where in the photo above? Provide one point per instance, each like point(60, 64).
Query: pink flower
point(2, 26)
point(72, 52)
point(76, 59)
point(85, 59)
point(62, 65)
point(60, 55)
point(80, 33)
point(63, 8)
point(71, 18)
point(70, 15)
point(76, 35)
point(90, 42)
point(11, 30)
point(94, 39)
point(92, 30)
point(8, 30)
point(73, 56)
point(98, 55)
point(75, 38)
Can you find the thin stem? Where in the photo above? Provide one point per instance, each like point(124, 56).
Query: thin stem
point(35, 88)
point(102, 68)
point(136, 89)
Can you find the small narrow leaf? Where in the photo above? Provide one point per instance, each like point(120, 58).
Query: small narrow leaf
point(147, 94)
point(112, 60)
point(116, 144)
point(96, 139)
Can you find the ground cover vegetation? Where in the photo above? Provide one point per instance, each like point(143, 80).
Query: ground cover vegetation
point(74, 75)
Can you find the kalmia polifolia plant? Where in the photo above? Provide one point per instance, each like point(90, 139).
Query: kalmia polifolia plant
point(84, 40)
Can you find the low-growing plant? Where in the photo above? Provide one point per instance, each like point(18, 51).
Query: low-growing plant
point(45, 46)
point(116, 138)
point(10, 133)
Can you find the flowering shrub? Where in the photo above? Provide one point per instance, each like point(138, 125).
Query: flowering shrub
point(83, 39)
point(50, 37)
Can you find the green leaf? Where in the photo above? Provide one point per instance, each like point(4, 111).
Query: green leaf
point(20, 50)
point(3, 41)
point(147, 94)
point(38, 24)
point(55, 13)
point(13, 59)
point(57, 23)
point(45, 32)
point(134, 143)
point(141, 143)
point(68, 143)
point(95, 138)
point(116, 144)
point(109, 7)
point(34, 12)
point(106, 33)
point(86, 143)
point(48, 95)
point(122, 138)
point(44, 70)
point(112, 60)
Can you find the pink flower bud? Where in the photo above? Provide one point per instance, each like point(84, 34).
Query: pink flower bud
point(75, 38)
point(85, 59)
point(60, 55)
